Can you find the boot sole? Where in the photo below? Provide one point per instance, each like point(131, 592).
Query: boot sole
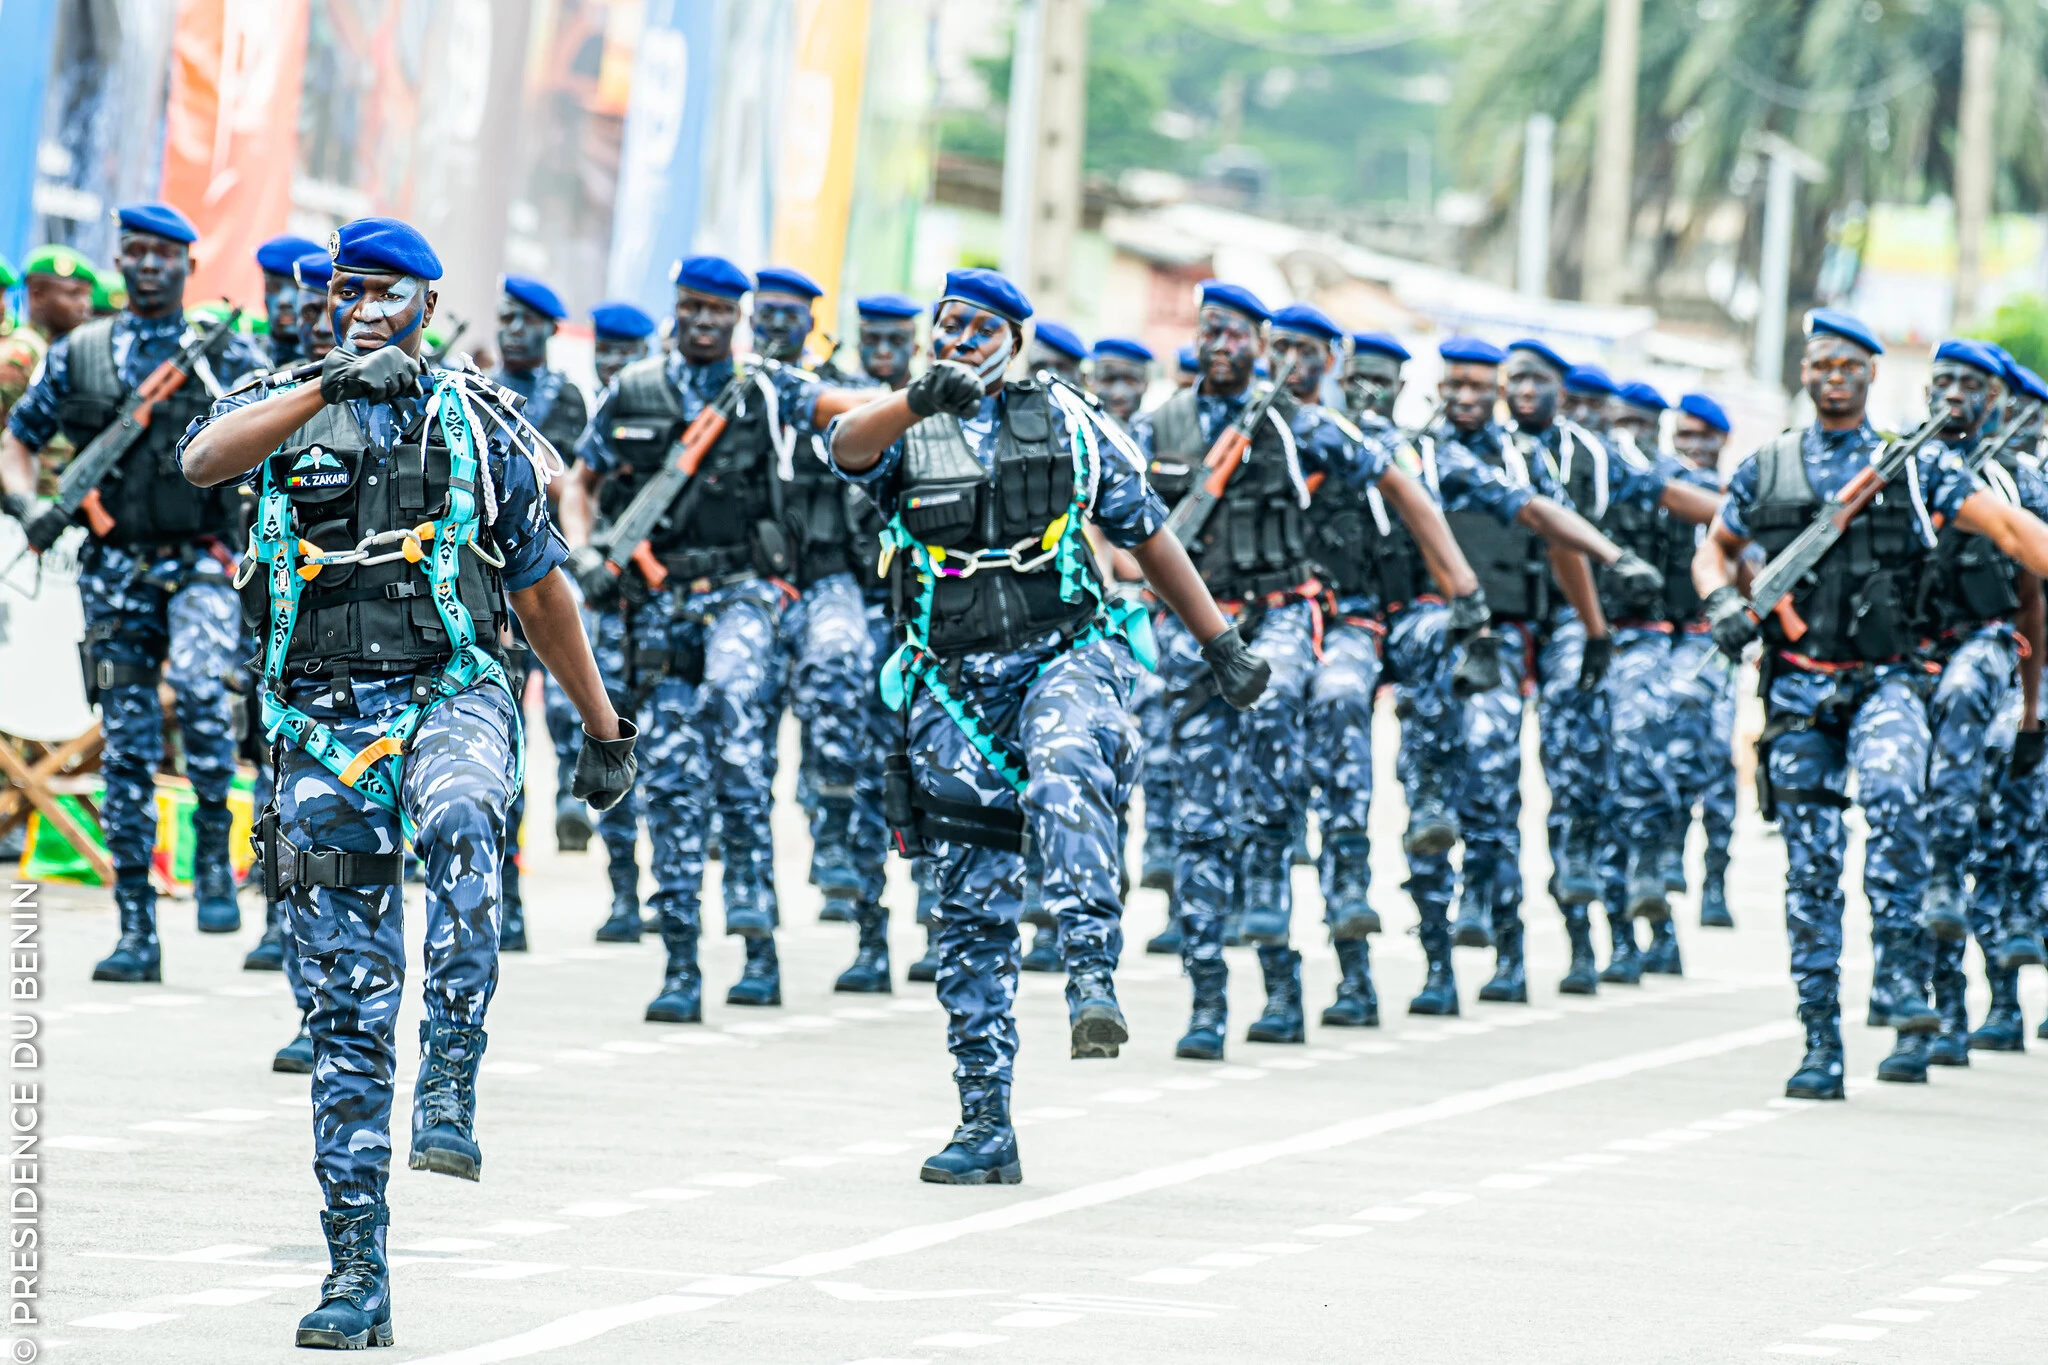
point(1098, 1033)
point(1655, 909)
point(1928, 1024)
point(834, 914)
point(1997, 1044)
point(1716, 921)
point(1470, 936)
point(1257, 1035)
point(291, 1066)
point(572, 836)
point(327, 1339)
point(1581, 895)
point(233, 926)
point(1806, 1092)
point(1359, 924)
point(1573, 986)
point(660, 1016)
point(1614, 978)
point(1163, 945)
point(1520, 997)
point(262, 964)
point(2013, 961)
point(619, 935)
point(870, 988)
point(1157, 881)
point(1948, 928)
point(128, 978)
point(1041, 965)
point(750, 929)
point(443, 1162)
point(1012, 1174)
point(772, 1002)
point(1429, 841)
point(1903, 1077)
point(1198, 1054)
point(1428, 1009)
point(919, 974)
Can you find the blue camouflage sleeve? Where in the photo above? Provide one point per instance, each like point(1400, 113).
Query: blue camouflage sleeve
point(1332, 447)
point(1467, 483)
point(879, 481)
point(222, 406)
point(1741, 499)
point(796, 391)
point(1141, 435)
point(523, 532)
point(1126, 508)
point(1946, 483)
point(595, 449)
point(34, 419)
point(1637, 477)
point(2033, 491)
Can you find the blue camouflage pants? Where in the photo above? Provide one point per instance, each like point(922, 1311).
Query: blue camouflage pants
point(1674, 748)
point(1070, 724)
point(1421, 663)
point(1545, 661)
point(140, 613)
point(1974, 684)
point(1237, 775)
point(1642, 786)
point(870, 824)
point(1154, 720)
point(1872, 724)
point(2005, 864)
point(1572, 728)
point(458, 784)
point(828, 639)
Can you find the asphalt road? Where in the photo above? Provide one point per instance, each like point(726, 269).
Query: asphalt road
point(1614, 1179)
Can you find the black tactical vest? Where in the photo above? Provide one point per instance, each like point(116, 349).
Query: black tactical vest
point(818, 508)
point(1257, 539)
point(1177, 448)
point(1969, 580)
point(146, 494)
point(1511, 562)
point(734, 521)
point(1362, 548)
point(1857, 603)
point(949, 500)
point(373, 618)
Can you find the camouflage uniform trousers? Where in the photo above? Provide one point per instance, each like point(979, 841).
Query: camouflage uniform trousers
point(1975, 685)
point(880, 728)
point(139, 614)
point(1421, 663)
point(1872, 723)
point(1237, 775)
point(458, 786)
point(2006, 865)
point(833, 666)
point(1641, 773)
point(1545, 660)
point(1673, 738)
point(1572, 729)
point(1154, 720)
point(1070, 723)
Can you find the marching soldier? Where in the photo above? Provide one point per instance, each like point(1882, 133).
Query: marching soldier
point(281, 294)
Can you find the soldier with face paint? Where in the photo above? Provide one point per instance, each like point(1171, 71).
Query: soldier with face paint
point(1119, 371)
point(619, 336)
point(1056, 347)
point(155, 588)
point(316, 323)
point(393, 725)
point(1012, 679)
point(1848, 691)
point(281, 290)
point(781, 319)
point(1588, 393)
point(887, 338)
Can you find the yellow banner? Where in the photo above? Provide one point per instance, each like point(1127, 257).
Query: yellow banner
point(820, 132)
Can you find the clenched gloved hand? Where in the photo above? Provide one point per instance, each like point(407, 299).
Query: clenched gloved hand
point(17, 506)
point(599, 584)
point(947, 386)
point(1479, 670)
point(1593, 664)
point(42, 528)
point(1241, 675)
point(1730, 621)
point(1637, 582)
point(380, 376)
point(2027, 749)
point(605, 769)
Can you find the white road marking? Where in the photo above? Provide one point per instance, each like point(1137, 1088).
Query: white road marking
point(1037, 1317)
point(1041, 1113)
point(2015, 1267)
point(728, 1285)
point(892, 1360)
point(1389, 1213)
point(1187, 1083)
point(1847, 1331)
point(1931, 1294)
point(1596, 1159)
point(1230, 1260)
point(1894, 1314)
point(1371, 1049)
point(633, 1047)
point(577, 1327)
point(122, 1322)
point(521, 1227)
point(734, 1180)
point(1985, 1280)
point(232, 1115)
point(1280, 1248)
point(1638, 1145)
point(450, 1244)
point(1127, 1095)
point(283, 1281)
point(812, 1161)
point(1331, 1230)
point(492, 1068)
point(222, 1298)
point(1793, 1348)
point(92, 1008)
point(1288, 1063)
point(1441, 1198)
point(1556, 1167)
point(173, 1126)
point(91, 1144)
point(1172, 1275)
point(857, 1293)
point(671, 1195)
point(875, 1148)
point(598, 1208)
point(1678, 1135)
point(919, 1237)
point(1514, 1180)
point(960, 1339)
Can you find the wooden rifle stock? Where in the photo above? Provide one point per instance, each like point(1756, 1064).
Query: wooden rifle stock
point(697, 440)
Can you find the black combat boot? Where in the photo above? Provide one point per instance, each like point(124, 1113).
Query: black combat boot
point(213, 873)
point(1095, 1023)
point(832, 862)
point(1439, 993)
point(1624, 959)
point(624, 925)
point(296, 1057)
point(1510, 983)
point(1351, 915)
point(1583, 977)
point(355, 1298)
point(512, 908)
point(1908, 1060)
point(1647, 897)
point(1262, 877)
point(268, 954)
point(1714, 892)
point(1168, 940)
point(984, 1147)
point(1941, 908)
point(1044, 955)
point(1432, 825)
point(1908, 967)
point(760, 981)
point(1577, 858)
point(926, 968)
point(572, 824)
point(1671, 862)
point(2020, 946)
point(1357, 1004)
point(2004, 1028)
point(444, 1100)
point(1661, 957)
point(1951, 1045)
point(1472, 928)
point(681, 1000)
point(137, 956)
point(1203, 1042)
point(869, 974)
point(1282, 1022)
point(1819, 1076)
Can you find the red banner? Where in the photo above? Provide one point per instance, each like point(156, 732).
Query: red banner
point(231, 134)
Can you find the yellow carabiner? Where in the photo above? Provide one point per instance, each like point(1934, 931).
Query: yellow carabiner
point(888, 558)
point(1054, 532)
point(308, 550)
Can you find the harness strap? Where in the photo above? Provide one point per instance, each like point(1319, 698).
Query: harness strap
point(335, 867)
point(968, 822)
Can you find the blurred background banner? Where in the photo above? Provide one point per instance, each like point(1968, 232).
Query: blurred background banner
point(893, 171)
point(26, 28)
point(230, 127)
point(744, 133)
point(820, 128)
point(660, 182)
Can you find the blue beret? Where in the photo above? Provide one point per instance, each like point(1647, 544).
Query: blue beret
point(1308, 320)
point(617, 321)
point(1638, 394)
point(1471, 351)
point(535, 295)
point(1378, 343)
point(158, 220)
point(1059, 337)
point(1187, 359)
point(2029, 383)
point(713, 275)
point(1706, 409)
point(279, 254)
point(1543, 352)
point(1123, 348)
point(989, 290)
point(1589, 379)
point(383, 246)
point(1975, 354)
point(1834, 322)
point(784, 280)
point(313, 270)
point(883, 306)
point(1236, 298)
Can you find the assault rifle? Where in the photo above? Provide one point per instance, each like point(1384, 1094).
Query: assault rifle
point(78, 488)
point(1194, 510)
point(1987, 451)
point(625, 542)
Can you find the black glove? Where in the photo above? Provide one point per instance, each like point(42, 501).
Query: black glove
point(947, 386)
point(1479, 670)
point(380, 376)
point(1240, 674)
point(1594, 662)
point(44, 527)
point(1730, 621)
point(1637, 582)
point(18, 507)
point(2027, 748)
point(1469, 615)
point(599, 584)
point(605, 768)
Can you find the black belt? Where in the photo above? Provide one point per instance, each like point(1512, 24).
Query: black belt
point(968, 822)
point(107, 674)
point(336, 867)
